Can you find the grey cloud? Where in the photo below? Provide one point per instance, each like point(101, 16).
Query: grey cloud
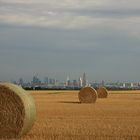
point(112, 13)
point(101, 38)
point(70, 14)
point(107, 7)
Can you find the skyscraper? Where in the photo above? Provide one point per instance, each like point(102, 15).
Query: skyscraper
point(68, 81)
point(46, 80)
point(80, 82)
point(84, 81)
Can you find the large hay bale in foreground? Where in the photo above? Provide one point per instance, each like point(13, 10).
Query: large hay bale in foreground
point(87, 95)
point(17, 111)
point(102, 92)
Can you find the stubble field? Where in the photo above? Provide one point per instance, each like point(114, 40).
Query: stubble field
point(61, 116)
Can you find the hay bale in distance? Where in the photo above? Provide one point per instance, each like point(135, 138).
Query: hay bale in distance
point(87, 95)
point(17, 111)
point(102, 92)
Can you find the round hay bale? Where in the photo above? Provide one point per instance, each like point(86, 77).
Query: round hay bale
point(17, 111)
point(87, 95)
point(102, 92)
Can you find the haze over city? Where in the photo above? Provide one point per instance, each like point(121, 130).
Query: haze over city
point(69, 37)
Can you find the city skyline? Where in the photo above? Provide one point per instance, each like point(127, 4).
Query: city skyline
point(69, 76)
point(69, 37)
point(52, 83)
point(83, 79)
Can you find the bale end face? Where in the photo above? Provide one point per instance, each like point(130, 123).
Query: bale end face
point(102, 92)
point(87, 95)
point(15, 110)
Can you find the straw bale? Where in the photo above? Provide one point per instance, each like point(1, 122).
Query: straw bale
point(17, 111)
point(87, 95)
point(102, 92)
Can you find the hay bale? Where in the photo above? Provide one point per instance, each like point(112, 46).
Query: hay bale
point(87, 95)
point(102, 92)
point(17, 111)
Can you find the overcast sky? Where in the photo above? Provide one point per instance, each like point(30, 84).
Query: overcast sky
point(56, 38)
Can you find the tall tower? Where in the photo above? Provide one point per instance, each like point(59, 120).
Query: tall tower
point(80, 82)
point(103, 83)
point(84, 81)
point(68, 81)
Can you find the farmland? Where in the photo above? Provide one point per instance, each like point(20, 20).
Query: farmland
point(61, 116)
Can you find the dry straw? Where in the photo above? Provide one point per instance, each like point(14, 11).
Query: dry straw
point(102, 92)
point(17, 111)
point(87, 95)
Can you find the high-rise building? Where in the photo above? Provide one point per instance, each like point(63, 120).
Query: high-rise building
point(68, 81)
point(36, 80)
point(46, 80)
point(21, 82)
point(75, 83)
point(52, 81)
point(103, 83)
point(84, 81)
point(80, 82)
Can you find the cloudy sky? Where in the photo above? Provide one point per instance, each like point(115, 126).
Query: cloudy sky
point(56, 38)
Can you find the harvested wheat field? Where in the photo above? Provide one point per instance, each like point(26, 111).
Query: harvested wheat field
point(61, 116)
